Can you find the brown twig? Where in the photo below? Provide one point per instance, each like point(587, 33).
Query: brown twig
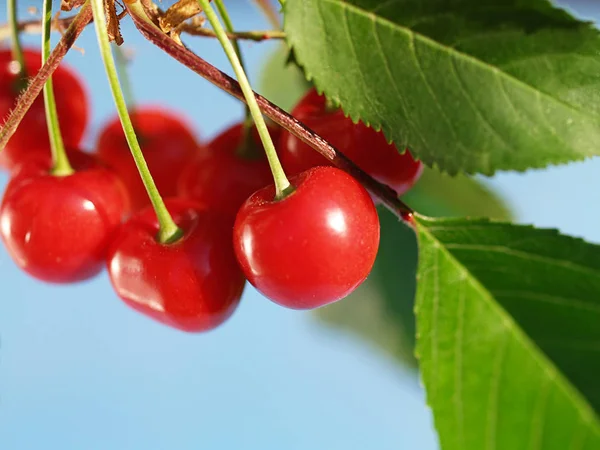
point(34, 26)
point(26, 99)
point(272, 111)
point(238, 35)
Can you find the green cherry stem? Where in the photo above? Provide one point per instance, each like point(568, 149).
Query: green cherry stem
point(236, 46)
point(282, 184)
point(61, 166)
point(123, 74)
point(169, 232)
point(229, 27)
point(17, 50)
point(246, 149)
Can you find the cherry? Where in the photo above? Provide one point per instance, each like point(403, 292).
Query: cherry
point(168, 146)
point(366, 147)
point(193, 284)
point(221, 177)
point(57, 229)
point(32, 134)
point(313, 247)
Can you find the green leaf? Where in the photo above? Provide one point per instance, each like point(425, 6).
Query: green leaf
point(282, 81)
point(470, 86)
point(508, 335)
point(381, 309)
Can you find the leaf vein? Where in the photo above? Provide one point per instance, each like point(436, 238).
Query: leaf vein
point(570, 302)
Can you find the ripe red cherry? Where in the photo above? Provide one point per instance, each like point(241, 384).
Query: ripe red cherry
point(193, 284)
point(168, 146)
point(32, 134)
point(223, 179)
point(313, 247)
point(57, 229)
point(366, 147)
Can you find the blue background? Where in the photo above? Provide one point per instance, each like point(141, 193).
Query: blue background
point(79, 370)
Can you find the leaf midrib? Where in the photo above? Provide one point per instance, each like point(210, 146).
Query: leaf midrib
point(465, 56)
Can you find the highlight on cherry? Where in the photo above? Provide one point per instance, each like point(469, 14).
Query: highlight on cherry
point(152, 200)
point(351, 182)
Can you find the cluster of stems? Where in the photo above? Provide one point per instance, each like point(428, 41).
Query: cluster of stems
point(257, 106)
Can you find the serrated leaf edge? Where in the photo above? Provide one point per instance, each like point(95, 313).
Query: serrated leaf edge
point(430, 162)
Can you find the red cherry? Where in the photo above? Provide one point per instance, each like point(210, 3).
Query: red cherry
point(222, 179)
point(193, 284)
point(366, 147)
point(32, 134)
point(57, 229)
point(313, 247)
point(168, 146)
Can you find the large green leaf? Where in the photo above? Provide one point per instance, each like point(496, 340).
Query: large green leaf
point(469, 85)
point(381, 310)
point(508, 335)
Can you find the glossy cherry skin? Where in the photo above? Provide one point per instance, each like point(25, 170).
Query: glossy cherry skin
point(366, 147)
point(32, 134)
point(313, 247)
point(223, 179)
point(193, 284)
point(57, 229)
point(168, 145)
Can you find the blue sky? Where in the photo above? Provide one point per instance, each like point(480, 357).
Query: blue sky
point(79, 370)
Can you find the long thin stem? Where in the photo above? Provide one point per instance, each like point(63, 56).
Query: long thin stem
point(61, 165)
point(236, 46)
point(169, 232)
point(17, 50)
point(272, 111)
point(123, 74)
point(230, 29)
point(282, 184)
point(37, 83)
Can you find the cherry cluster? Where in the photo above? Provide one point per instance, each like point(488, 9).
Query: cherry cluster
point(311, 247)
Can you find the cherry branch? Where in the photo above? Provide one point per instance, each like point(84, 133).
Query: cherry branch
point(272, 111)
point(26, 99)
point(34, 26)
point(259, 35)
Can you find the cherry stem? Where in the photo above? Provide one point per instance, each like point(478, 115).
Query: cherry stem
point(61, 166)
point(168, 232)
point(248, 122)
point(17, 50)
point(224, 82)
point(269, 11)
point(36, 85)
point(282, 184)
point(122, 73)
